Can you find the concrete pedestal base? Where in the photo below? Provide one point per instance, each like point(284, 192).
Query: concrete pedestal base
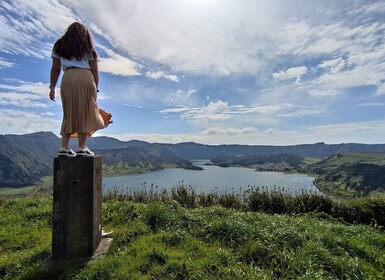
point(77, 209)
point(50, 264)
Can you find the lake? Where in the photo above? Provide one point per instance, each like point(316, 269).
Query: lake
point(211, 179)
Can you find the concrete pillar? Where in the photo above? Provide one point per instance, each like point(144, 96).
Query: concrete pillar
point(77, 209)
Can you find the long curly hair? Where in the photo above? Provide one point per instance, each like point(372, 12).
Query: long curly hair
point(76, 43)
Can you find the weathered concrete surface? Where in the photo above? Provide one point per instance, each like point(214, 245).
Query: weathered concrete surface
point(77, 209)
point(57, 265)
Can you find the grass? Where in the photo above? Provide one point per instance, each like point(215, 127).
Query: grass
point(44, 185)
point(311, 160)
point(16, 191)
point(123, 169)
point(161, 239)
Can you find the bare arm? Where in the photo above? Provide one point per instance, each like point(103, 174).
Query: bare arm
point(55, 72)
point(95, 71)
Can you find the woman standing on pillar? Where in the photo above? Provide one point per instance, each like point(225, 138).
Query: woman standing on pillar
point(75, 53)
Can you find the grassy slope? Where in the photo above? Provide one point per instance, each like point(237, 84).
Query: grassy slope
point(338, 174)
point(166, 241)
point(349, 158)
point(16, 191)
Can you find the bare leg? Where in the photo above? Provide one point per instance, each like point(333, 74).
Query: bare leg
point(82, 138)
point(65, 139)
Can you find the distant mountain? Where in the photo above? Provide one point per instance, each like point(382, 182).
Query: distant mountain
point(26, 158)
point(318, 150)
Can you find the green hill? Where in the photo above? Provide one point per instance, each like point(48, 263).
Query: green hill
point(351, 174)
point(163, 240)
point(25, 159)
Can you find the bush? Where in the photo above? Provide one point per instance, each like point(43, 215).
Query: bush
point(156, 216)
point(274, 202)
point(185, 196)
point(367, 211)
point(306, 203)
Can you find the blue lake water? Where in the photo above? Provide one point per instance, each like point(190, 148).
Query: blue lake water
point(211, 179)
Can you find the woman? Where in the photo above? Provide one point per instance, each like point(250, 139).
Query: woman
point(76, 55)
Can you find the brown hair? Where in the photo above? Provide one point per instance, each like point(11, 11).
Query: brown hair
point(76, 43)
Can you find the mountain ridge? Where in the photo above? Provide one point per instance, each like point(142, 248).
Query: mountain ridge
point(26, 158)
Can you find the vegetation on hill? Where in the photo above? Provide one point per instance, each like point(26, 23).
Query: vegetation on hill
point(281, 162)
point(351, 174)
point(318, 150)
point(24, 160)
point(172, 237)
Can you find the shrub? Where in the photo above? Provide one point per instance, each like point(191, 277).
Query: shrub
point(156, 216)
point(307, 203)
point(185, 196)
point(367, 211)
point(274, 202)
point(118, 212)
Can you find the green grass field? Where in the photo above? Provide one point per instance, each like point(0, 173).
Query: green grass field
point(163, 240)
point(16, 191)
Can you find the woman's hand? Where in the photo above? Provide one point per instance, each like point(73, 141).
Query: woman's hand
point(52, 94)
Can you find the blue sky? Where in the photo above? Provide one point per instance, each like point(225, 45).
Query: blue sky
point(269, 72)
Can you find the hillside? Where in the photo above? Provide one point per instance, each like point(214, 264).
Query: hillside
point(258, 159)
point(25, 159)
point(351, 174)
point(164, 240)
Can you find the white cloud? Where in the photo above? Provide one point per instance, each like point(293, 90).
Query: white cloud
point(381, 89)
point(182, 98)
point(160, 74)
point(5, 63)
point(21, 100)
point(371, 104)
point(25, 94)
point(176, 110)
point(221, 112)
point(215, 111)
point(358, 132)
point(293, 72)
point(334, 65)
point(118, 65)
point(321, 92)
point(36, 23)
point(218, 37)
point(19, 121)
point(374, 8)
point(302, 113)
point(38, 88)
point(230, 131)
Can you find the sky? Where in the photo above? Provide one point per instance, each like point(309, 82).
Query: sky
point(259, 72)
